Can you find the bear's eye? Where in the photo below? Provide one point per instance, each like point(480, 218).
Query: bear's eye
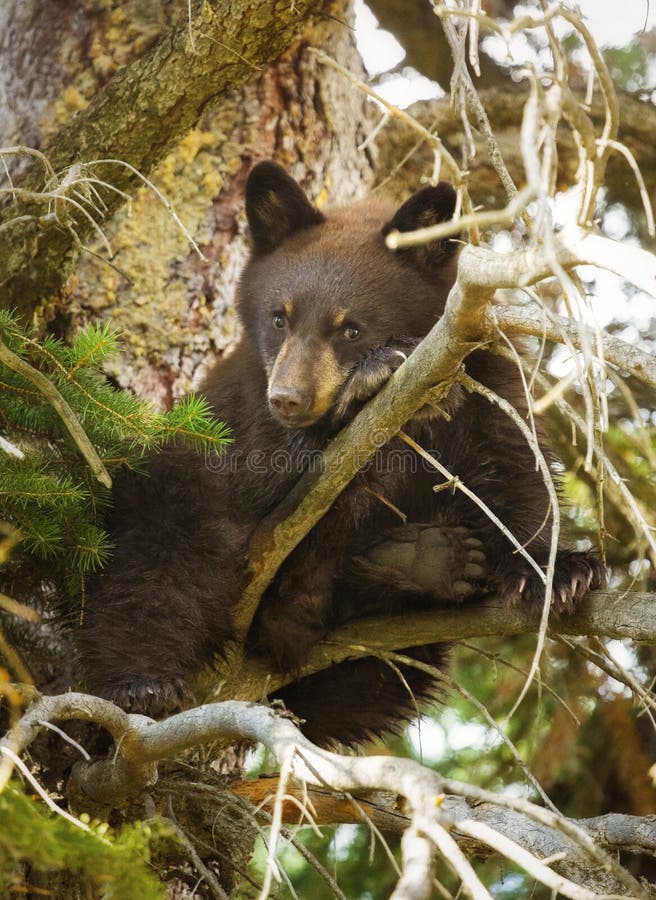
point(351, 333)
point(279, 320)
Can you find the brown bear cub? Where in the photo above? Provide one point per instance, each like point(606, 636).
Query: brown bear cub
point(328, 314)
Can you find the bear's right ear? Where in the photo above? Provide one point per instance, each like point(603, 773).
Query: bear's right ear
point(276, 207)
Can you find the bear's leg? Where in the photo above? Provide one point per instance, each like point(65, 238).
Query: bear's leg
point(295, 613)
point(358, 700)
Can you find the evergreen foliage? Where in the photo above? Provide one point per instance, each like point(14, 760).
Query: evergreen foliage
point(110, 866)
point(48, 492)
point(49, 539)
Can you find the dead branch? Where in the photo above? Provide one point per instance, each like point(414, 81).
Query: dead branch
point(433, 819)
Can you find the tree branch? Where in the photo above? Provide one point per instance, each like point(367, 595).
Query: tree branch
point(529, 321)
point(613, 831)
point(141, 742)
point(612, 614)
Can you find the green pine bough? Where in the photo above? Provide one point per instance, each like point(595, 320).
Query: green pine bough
point(105, 863)
point(64, 429)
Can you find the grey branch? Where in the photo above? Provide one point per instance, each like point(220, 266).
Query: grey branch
point(141, 742)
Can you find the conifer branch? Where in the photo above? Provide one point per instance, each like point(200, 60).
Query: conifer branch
point(68, 417)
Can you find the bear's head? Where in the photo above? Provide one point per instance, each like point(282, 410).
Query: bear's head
point(320, 291)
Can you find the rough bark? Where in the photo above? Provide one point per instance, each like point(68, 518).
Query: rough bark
point(138, 116)
point(177, 315)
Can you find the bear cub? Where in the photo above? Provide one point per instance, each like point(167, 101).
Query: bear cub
point(328, 314)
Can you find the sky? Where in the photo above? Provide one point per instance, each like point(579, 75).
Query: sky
point(612, 29)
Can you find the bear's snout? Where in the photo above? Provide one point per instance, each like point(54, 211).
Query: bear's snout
point(290, 404)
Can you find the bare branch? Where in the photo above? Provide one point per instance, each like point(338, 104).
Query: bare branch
point(141, 742)
point(529, 321)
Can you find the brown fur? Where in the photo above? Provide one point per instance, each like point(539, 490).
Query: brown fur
point(328, 313)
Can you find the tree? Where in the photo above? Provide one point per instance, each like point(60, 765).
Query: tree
point(140, 80)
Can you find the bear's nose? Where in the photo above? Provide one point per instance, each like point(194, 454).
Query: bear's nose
point(287, 401)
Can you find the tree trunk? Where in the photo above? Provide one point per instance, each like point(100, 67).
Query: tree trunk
point(177, 315)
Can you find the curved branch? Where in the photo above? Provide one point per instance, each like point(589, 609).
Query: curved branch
point(612, 614)
point(141, 742)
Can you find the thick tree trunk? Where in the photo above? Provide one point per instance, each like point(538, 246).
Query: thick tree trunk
point(177, 313)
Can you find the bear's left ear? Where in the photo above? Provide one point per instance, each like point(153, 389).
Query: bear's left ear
point(276, 207)
point(427, 206)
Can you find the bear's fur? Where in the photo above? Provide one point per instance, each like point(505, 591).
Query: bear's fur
point(328, 314)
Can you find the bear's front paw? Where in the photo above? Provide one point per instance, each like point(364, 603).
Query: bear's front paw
point(575, 574)
point(368, 377)
point(154, 697)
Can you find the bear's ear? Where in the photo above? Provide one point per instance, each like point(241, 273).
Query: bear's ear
point(427, 206)
point(276, 207)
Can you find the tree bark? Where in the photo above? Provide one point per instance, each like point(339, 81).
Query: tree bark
point(177, 315)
